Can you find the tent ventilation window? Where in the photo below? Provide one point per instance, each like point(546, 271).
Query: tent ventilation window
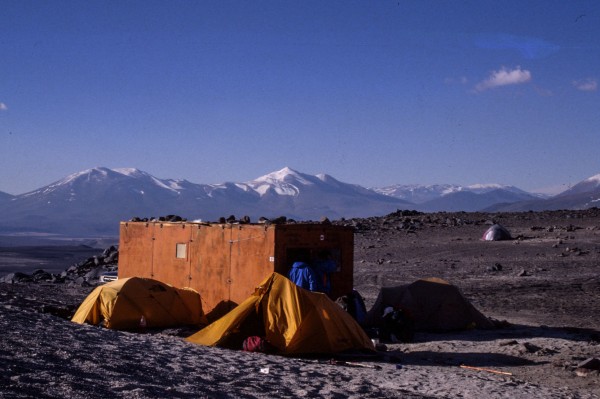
point(181, 251)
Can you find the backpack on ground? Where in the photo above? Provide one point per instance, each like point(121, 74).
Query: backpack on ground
point(397, 326)
point(254, 344)
point(354, 304)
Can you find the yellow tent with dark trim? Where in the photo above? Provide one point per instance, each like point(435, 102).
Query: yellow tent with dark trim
point(292, 319)
point(433, 303)
point(122, 303)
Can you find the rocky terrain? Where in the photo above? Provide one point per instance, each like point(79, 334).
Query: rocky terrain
point(548, 274)
point(543, 286)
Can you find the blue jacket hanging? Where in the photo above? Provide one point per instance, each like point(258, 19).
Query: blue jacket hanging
point(304, 276)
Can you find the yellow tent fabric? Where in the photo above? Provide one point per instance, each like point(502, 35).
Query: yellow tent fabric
point(122, 303)
point(433, 303)
point(294, 320)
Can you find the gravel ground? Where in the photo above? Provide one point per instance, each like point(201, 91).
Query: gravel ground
point(545, 284)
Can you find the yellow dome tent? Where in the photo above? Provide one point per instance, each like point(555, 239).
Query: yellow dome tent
point(292, 319)
point(121, 305)
point(433, 303)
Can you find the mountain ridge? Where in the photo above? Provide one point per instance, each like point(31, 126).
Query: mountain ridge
point(93, 201)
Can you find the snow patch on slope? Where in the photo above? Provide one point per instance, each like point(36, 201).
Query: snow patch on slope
point(283, 176)
point(283, 182)
point(593, 179)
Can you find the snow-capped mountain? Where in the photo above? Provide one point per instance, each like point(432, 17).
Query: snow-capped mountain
point(86, 201)
point(302, 196)
point(92, 202)
point(589, 185)
point(419, 194)
point(452, 197)
point(95, 200)
point(583, 195)
point(471, 201)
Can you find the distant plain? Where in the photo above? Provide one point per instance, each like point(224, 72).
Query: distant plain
point(27, 253)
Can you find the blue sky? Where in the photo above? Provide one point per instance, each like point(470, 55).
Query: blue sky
point(371, 92)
